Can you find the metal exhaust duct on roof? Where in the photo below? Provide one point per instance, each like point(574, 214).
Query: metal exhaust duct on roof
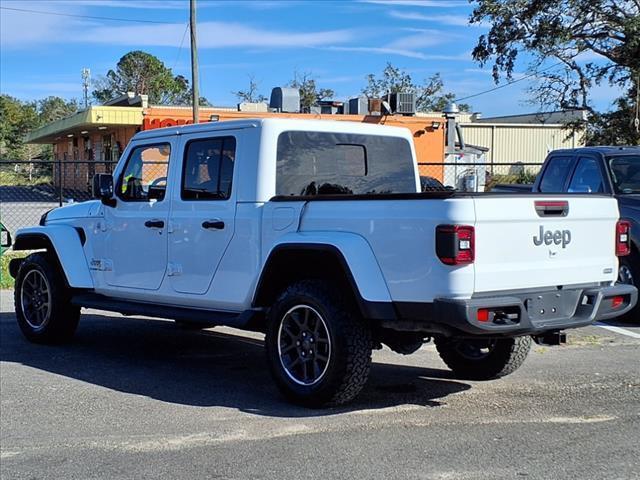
point(285, 99)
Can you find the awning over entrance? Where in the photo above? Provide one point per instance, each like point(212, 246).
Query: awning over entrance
point(91, 120)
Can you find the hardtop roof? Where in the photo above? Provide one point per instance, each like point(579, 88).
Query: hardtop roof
point(282, 123)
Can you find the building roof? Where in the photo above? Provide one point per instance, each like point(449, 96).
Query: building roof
point(280, 123)
point(556, 117)
point(93, 117)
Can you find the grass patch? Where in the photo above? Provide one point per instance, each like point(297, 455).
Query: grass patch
point(6, 280)
point(9, 177)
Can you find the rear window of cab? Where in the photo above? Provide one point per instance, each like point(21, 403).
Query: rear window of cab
point(327, 163)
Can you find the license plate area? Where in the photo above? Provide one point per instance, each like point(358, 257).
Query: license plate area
point(553, 305)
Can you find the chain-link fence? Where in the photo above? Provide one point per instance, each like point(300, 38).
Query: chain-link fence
point(30, 188)
point(478, 177)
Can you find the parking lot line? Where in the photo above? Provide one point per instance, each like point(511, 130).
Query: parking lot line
point(620, 330)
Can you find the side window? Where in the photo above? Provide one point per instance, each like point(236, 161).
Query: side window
point(587, 177)
point(208, 169)
point(555, 174)
point(145, 174)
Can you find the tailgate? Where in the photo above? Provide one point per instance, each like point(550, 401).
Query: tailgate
point(521, 246)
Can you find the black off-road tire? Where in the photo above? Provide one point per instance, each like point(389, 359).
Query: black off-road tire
point(61, 320)
point(503, 356)
point(347, 368)
point(632, 265)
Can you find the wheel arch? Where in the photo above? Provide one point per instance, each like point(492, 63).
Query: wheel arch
point(289, 262)
point(65, 243)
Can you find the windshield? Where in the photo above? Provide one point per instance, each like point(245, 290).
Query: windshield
point(625, 173)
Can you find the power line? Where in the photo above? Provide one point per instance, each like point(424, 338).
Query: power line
point(509, 83)
point(92, 17)
point(180, 47)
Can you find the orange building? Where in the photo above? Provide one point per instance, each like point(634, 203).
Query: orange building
point(89, 141)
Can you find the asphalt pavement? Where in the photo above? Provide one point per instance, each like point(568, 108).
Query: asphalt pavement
point(136, 398)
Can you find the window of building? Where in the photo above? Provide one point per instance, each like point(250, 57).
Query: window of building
point(324, 163)
point(555, 175)
point(145, 174)
point(208, 169)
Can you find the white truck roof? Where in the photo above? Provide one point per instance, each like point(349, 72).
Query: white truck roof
point(280, 124)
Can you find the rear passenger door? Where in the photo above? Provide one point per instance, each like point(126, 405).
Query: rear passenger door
point(202, 218)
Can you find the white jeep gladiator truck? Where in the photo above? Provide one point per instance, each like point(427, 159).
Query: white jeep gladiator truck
point(316, 233)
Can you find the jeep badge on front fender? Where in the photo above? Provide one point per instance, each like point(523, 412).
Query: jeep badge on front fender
point(548, 237)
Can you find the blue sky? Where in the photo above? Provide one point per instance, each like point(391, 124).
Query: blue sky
point(338, 42)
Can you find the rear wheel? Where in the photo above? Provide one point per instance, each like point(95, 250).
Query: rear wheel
point(629, 274)
point(318, 349)
point(43, 302)
point(483, 359)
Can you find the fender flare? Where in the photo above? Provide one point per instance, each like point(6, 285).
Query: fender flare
point(357, 260)
point(66, 243)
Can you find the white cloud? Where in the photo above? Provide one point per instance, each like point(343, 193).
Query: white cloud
point(23, 30)
point(381, 50)
point(453, 20)
point(343, 79)
point(420, 39)
point(136, 4)
point(213, 35)
point(421, 3)
point(590, 56)
point(40, 89)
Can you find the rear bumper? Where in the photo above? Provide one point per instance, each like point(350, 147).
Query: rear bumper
point(537, 312)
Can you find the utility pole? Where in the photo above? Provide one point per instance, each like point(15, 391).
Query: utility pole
point(195, 87)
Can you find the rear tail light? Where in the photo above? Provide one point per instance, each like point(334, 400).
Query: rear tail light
point(455, 244)
point(623, 238)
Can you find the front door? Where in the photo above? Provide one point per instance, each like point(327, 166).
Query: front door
point(203, 211)
point(135, 241)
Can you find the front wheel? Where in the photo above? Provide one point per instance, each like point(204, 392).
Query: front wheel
point(42, 301)
point(480, 359)
point(318, 349)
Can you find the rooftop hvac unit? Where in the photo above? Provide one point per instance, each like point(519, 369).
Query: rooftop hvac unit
point(359, 106)
point(402, 103)
point(375, 106)
point(285, 99)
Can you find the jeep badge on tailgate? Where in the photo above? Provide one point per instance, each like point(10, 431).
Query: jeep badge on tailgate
point(548, 237)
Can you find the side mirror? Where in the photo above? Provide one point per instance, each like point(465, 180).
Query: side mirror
point(103, 188)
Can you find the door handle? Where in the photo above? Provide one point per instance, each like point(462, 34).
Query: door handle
point(213, 224)
point(154, 224)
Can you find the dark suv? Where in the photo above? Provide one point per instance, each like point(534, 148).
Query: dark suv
point(610, 170)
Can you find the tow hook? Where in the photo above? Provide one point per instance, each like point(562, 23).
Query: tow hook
point(550, 338)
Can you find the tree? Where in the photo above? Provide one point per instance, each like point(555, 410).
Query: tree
point(250, 95)
point(310, 94)
point(585, 42)
point(617, 127)
point(145, 74)
point(430, 96)
point(18, 117)
point(53, 108)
